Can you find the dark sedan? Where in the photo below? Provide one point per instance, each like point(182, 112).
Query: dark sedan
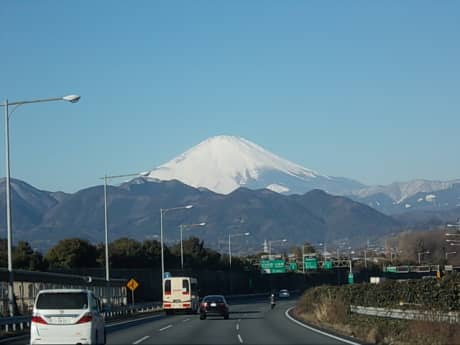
point(214, 305)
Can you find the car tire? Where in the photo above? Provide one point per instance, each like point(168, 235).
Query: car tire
point(226, 316)
point(202, 316)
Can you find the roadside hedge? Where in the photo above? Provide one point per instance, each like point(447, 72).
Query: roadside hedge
point(432, 294)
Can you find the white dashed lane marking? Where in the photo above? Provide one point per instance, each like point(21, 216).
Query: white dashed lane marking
point(164, 328)
point(141, 340)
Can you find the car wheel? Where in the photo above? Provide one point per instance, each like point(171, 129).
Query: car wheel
point(202, 316)
point(226, 316)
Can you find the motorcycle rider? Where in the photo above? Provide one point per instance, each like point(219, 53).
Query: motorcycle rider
point(272, 300)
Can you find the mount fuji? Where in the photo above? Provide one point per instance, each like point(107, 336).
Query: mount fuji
point(225, 163)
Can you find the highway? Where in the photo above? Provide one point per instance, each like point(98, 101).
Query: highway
point(251, 322)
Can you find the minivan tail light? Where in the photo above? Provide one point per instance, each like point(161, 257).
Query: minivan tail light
point(39, 319)
point(85, 318)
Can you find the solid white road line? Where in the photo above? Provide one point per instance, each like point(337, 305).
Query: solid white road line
point(141, 340)
point(166, 327)
point(185, 320)
point(237, 326)
point(240, 339)
point(317, 330)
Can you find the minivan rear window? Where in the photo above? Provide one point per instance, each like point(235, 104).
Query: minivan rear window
point(65, 300)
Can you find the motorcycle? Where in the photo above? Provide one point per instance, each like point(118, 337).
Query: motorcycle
point(272, 302)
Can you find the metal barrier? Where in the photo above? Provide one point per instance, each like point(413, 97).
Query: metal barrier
point(450, 317)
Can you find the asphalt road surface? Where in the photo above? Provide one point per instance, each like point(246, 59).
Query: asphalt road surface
point(250, 322)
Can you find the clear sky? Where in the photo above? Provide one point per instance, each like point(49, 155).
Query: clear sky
point(367, 90)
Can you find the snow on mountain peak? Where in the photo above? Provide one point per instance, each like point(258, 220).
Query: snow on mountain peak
point(224, 163)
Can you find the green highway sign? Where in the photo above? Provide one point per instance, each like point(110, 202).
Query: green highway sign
point(391, 269)
point(273, 266)
point(293, 266)
point(351, 279)
point(327, 265)
point(272, 263)
point(310, 263)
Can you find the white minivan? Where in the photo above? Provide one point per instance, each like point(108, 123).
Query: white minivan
point(67, 316)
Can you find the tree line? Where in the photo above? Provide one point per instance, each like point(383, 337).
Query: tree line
point(75, 253)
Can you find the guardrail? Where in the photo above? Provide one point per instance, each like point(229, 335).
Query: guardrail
point(19, 323)
point(132, 309)
point(450, 317)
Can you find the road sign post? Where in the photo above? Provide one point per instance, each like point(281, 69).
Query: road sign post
point(132, 285)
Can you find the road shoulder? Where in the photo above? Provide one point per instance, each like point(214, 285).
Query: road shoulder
point(326, 332)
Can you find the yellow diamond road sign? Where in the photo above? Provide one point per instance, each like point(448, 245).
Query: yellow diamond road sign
point(132, 284)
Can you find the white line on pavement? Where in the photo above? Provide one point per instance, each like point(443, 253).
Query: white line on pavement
point(185, 320)
point(237, 326)
point(240, 339)
point(141, 340)
point(317, 330)
point(166, 327)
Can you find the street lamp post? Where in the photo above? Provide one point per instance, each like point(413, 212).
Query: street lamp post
point(420, 254)
point(6, 105)
point(230, 245)
point(270, 246)
point(182, 228)
point(106, 225)
point(162, 212)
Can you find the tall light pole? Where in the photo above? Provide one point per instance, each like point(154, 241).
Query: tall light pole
point(420, 254)
point(270, 246)
point(69, 98)
point(230, 245)
point(183, 227)
point(162, 212)
point(106, 225)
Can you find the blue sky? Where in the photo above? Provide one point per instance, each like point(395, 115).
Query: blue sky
point(360, 89)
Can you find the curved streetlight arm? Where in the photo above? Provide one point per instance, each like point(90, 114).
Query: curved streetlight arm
point(164, 210)
point(68, 98)
point(119, 176)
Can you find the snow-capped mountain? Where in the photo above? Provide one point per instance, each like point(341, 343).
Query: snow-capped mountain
point(399, 191)
point(225, 163)
point(415, 195)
